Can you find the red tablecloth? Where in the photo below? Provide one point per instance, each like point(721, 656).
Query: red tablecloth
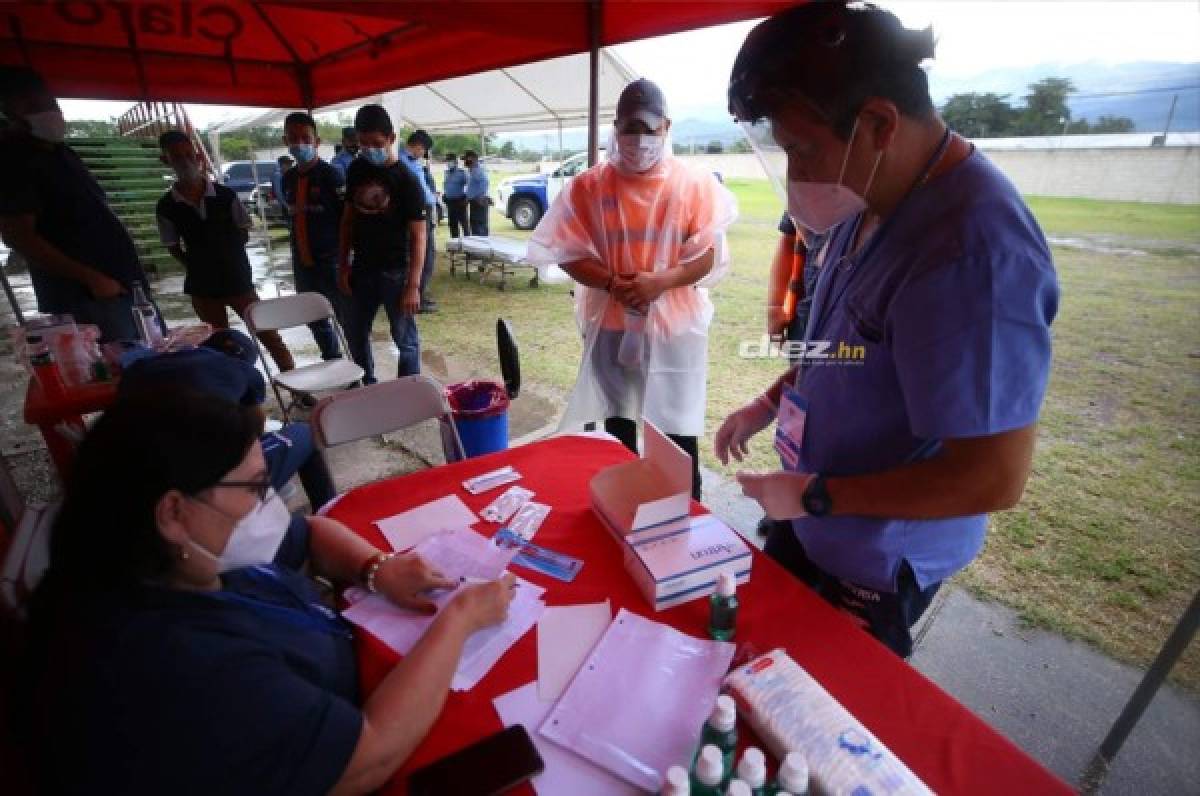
point(943, 742)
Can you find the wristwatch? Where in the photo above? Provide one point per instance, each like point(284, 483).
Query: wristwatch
point(816, 498)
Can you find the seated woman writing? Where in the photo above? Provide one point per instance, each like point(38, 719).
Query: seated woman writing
point(176, 646)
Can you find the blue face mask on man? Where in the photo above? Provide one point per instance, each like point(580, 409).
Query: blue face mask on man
point(303, 153)
point(375, 155)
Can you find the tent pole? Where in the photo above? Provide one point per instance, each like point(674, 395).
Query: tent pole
point(595, 17)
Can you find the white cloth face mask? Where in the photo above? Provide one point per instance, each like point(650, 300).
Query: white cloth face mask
point(256, 537)
point(47, 125)
point(821, 206)
point(640, 153)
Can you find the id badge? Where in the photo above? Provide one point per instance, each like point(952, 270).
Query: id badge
point(789, 431)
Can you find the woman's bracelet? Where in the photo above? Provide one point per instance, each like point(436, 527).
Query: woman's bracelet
point(371, 568)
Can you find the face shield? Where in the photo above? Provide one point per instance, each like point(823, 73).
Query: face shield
point(769, 153)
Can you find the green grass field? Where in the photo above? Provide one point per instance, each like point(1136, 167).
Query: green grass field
point(1105, 545)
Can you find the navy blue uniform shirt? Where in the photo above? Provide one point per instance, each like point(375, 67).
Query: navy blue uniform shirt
point(228, 692)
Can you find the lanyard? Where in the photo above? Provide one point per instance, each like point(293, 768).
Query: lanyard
point(302, 612)
point(823, 309)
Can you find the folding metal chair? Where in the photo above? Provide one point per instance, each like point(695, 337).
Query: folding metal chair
point(288, 312)
point(383, 407)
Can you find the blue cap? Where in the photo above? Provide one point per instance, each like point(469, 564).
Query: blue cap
point(233, 343)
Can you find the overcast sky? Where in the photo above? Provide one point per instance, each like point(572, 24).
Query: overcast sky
point(973, 37)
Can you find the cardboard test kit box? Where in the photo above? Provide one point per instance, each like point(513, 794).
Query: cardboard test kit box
point(644, 504)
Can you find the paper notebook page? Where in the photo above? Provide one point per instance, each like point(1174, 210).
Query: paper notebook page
point(566, 634)
point(565, 772)
point(463, 553)
point(401, 629)
point(409, 528)
point(484, 649)
point(603, 714)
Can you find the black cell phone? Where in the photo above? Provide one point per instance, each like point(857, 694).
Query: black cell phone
point(491, 766)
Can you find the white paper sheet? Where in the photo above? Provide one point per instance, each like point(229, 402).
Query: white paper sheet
point(463, 553)
point(566, 634)
point(456, 554)
point(566, 772)
point(409, 528)
point(639, 701)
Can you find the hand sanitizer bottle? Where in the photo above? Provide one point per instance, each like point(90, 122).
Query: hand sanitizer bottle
point(723, 606)
point(793, 775)
point(752, 769)
point(676, 783)
point(738, 788)
point(721, 731)
point(709, 773)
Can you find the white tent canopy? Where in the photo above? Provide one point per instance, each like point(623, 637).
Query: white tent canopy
point(545, 95)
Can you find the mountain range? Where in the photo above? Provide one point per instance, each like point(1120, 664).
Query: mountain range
point(1141, 90)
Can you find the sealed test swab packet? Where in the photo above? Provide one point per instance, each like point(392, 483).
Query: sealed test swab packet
point(790, 711)
point(505, 506)
point(482, 483)
point(539, 559)
point(528, 519)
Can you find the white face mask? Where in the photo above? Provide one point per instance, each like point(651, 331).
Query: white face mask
point(255, 538)
point(639, 153)
point(47, 125)
point(821, 206)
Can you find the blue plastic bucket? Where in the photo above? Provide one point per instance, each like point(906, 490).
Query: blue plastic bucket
point(480, 410)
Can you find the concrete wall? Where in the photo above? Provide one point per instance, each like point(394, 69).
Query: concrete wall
point(1160, 174)
point(1170, 175)
point(745, 166)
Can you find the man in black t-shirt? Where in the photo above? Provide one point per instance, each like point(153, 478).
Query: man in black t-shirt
point(382, 244)
point(54, 213)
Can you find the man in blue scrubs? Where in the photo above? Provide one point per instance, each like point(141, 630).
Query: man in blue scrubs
point(914, 412)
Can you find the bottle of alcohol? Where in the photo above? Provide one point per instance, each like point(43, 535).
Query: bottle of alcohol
point(723, 606)
point(145, 317)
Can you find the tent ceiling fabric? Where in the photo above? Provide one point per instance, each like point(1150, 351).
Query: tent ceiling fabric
point(315, 54)
point(536, 96)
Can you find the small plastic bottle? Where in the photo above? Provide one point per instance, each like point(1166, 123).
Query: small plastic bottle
point(709, 772)
point(145, 317)
point(738, 787)
point(793, 775)
point(723, 607)
point(721, 731)
point(676, 783)
point(752, 769)
point(45, 369)
point(632, 349)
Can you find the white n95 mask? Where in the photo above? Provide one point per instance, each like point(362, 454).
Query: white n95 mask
point(640, 153)
point(47, 125)
point(256, 537)
point(821, 206)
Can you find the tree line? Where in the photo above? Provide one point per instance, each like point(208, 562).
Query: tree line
point(1044, 112)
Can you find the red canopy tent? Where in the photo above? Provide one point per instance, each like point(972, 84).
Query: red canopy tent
point(313, 54)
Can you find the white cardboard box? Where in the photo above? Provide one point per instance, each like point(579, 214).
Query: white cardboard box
point(644, 504)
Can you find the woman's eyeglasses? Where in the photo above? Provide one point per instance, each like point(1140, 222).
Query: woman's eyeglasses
point(259, 488)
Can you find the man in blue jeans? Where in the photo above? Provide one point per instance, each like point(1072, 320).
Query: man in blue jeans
point(223, 367)
point(382, 248)
point(310, 192)
point(54, 213)
point(416, 149)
